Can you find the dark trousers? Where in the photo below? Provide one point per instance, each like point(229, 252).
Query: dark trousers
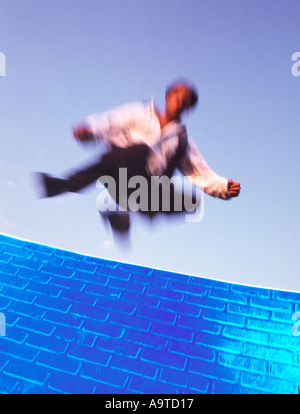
point(134, 159)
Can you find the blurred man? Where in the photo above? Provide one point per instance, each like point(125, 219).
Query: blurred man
point(147, 143)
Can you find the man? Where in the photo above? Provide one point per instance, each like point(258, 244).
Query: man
point(147, 142)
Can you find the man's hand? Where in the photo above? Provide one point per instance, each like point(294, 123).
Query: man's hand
point(233, 188)
point(83, 133)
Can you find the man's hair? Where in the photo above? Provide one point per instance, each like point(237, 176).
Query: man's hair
point(193, 91)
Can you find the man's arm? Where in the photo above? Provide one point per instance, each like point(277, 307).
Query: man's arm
point(111, 127)
point(194, 165)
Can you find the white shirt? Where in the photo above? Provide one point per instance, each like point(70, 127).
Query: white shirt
point(138, 123)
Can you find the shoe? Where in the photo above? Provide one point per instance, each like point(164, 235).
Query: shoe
point(53, 186)
point(119, 221)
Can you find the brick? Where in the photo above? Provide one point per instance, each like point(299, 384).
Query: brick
point(100, 290)
point(18, 351)
point(267, 384)
point(82, 266)
point(248, 311)
point(105, 375)
point(28, 372)
point(7, 269)
point(39, 248)
point(267, 353)
point(171, 331)
point(116, 305)
point(57, 304)
point(286, 296)
point(218, 342)
point(3, 361)
point(110, 389)
point(91, 278)
point(164, 293)
point(228, 296)
point(251, 291)
point(137, 298)
point(46, 343)
point(269, 304)
point(4, 303)
point(101, 262)
point(220, 387)
point(198, 324)
point(127, 285)
point(209, 283)
point(90, 312)
point(34, 325)
point(15, 334)
point(18, 295)
point(17, 251)
point(223, 317)
point(103, 328)
point(192, 382)
point(57, 270)
point(53, 318)
point(72, 284)
point(288, 342)
point(79, 297)
point(188, 288)
point(71, 335)
point(146, 280)
point(43, 257)
point(211, 370)
point(159, 357)
point(58, 363)
point(247, 335)
point(192, 350)
point(135, 322)
point(171, 275)
point(69, 255)
point(243, 363)
point(21, 262)
point(41, 289)
point(70, 384)
point(118, 346)
point(146, 339)
point(156, 314)
point(8, 385)
point(285, 371)
point(270, 326)
point(151, 387)
point(26, 310)
point(205, 302)
point(134, 366)
point(112, 273)
point(95, 356)
point(34, 275)
point(180, 308)
point(135, 269)
point(12, 281)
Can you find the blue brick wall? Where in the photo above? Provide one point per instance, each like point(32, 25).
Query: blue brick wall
point(78, 324)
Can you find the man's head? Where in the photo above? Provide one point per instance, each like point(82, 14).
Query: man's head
point(180, 96)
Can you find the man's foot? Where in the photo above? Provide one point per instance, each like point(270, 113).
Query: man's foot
point(119, 221)
point(53, 186)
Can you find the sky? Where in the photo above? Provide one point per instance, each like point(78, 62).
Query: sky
point(66, 59)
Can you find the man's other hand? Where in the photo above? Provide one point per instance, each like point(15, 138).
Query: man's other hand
point(83, 133)
point(233, 188)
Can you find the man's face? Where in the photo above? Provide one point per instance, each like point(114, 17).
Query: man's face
point(177, 101)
